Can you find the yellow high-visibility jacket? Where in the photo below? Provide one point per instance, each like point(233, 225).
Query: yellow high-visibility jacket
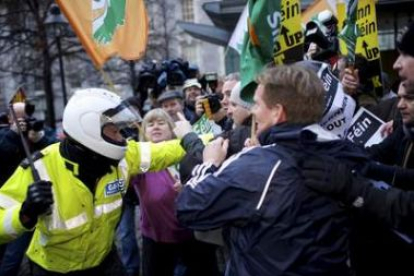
point(79, 232)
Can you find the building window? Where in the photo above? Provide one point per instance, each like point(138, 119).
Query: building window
point(190, 53)
point(188, 10)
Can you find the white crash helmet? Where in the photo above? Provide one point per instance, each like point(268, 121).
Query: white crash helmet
point(87, 112)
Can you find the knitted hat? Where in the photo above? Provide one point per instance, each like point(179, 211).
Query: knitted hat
point(405, 42)
point(235, 97)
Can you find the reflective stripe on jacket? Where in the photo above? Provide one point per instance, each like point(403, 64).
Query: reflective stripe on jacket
point(79, 232)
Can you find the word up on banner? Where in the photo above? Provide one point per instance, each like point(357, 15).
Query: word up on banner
point(370, 53)
point(290, 32)
point(367, 44)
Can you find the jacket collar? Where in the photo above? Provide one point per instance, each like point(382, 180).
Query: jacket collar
point(286, 131)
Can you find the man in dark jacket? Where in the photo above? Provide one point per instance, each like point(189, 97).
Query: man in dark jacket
point(11, 155)
point(11, 147)
point(375, 249)
point(272, 223)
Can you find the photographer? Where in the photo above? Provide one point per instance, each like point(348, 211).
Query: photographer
point(192, 90)
point(11, 147)
point(11, 155)
point(321, 41)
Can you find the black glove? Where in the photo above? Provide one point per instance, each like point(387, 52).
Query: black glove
point(328, 176)
point(38, 200)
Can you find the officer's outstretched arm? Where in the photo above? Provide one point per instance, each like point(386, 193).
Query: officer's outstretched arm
point(146, 156)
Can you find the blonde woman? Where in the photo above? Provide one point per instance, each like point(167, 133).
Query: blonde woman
point(165, 242)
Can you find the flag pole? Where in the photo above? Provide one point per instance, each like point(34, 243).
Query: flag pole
point(108, 81)
point(26, 149)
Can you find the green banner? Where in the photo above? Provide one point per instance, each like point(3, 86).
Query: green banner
point(264, 23)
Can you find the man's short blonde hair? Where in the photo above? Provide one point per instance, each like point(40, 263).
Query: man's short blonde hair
point(297, 89)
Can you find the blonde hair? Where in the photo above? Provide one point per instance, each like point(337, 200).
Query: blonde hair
point(297, 89)
point(157, 114)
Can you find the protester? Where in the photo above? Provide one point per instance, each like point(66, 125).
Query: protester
point(11, 147)
point(191, 90)
point(229, 82)
point(172, 103)
point(237, 136)
point(391, 206)
point(405, 61)
point(12, 153)
point(375, 249)
point(273, 224)
point(75, 207)
point(239, 109)
point(165, 243)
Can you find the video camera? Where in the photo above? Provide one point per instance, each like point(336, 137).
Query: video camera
point(31, 122)
point(156, 77)
point(322, 30)
point(209, 80)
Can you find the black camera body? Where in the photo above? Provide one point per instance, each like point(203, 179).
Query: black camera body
point(328, 43)
point(34, 124)
point(31, 122)
point(211, 104)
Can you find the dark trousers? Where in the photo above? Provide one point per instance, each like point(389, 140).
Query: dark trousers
point(13, 254)
point(160, 259)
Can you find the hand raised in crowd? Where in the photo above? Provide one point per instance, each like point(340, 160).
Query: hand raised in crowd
point(178, 186)
point(182, 126)
point(387, 128)
point(199, 109)
point(22, 124)
point(312, 50)
point(350, 81)
point(216, 151)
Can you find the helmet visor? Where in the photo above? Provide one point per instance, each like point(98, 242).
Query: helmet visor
point(124, 116)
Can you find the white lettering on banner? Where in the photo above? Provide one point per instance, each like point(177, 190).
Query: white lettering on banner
point(365, 128)
point(339, 107)
point(359, 128)
point(274, 20)
point(327, 81)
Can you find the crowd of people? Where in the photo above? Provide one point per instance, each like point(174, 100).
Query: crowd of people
point(224, 186)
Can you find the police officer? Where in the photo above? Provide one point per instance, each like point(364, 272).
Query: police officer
point(76, 205)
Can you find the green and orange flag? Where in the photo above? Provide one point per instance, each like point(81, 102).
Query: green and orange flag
point(263, 27)
point(108, 27)
point(274, 36)
point(350, 32)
